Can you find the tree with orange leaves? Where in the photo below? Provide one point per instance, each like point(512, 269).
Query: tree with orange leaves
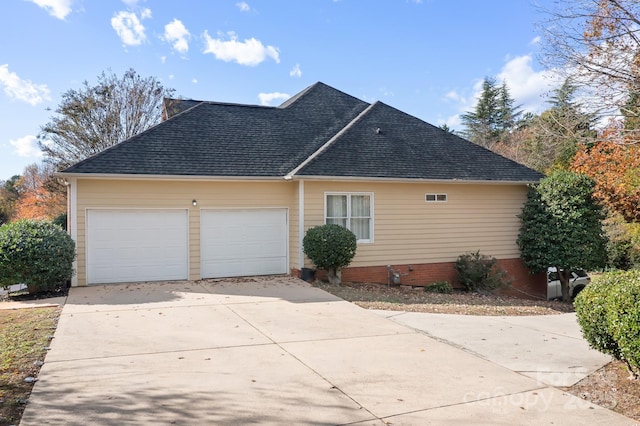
point(615, 167)
point(38, 199)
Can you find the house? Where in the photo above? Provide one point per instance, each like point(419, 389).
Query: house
point(223, 190)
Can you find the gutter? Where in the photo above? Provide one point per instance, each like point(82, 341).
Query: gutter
point(412, 180)
point(122, 176)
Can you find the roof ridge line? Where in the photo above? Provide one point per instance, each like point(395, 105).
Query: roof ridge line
point(327, 144)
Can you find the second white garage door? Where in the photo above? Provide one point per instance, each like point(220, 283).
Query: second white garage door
point(243, 242)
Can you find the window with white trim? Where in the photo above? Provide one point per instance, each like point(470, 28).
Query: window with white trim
point(354, 211)
point(435, 198)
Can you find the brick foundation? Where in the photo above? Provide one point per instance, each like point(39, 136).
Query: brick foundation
point(524, 284)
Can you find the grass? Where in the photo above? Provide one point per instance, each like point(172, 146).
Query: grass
point(24, 335)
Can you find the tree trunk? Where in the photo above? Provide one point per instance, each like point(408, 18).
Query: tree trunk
point(334, 275)
point(564, 275)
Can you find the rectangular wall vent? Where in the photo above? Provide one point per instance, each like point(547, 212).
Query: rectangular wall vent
point(435, 198)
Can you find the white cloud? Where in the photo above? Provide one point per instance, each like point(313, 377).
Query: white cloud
point(56, 8)
point(536, 40)
point(527, 85)
point(145, 14)
point(250, 52)
point(23, 90)
point(194, 80)
point(267, 98)
point(163, 59)
point(243, 6)
point(129, 28)
point(26, 146)
point(176, 33)
point(386, 92)
point(296, 71)
point(171, 76)
point(452, 95)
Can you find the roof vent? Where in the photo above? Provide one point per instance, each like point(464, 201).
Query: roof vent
point(378, 131)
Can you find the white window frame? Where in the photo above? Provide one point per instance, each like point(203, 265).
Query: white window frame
point(348, 195)
point(437, 197)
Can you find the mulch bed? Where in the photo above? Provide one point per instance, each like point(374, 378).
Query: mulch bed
point(23, 295)
point(410, 299)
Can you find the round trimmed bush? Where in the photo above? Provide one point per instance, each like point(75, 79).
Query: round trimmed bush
point(37, 253)
point(330, 247)
point(591, 312)
point(623, 318)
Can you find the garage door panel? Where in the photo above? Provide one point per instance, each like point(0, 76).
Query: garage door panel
point(136, 245)
point(243, 242)
point(235, 268)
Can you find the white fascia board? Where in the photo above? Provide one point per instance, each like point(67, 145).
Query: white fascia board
point(412, 180)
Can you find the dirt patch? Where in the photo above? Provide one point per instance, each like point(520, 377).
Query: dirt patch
point(611, 387)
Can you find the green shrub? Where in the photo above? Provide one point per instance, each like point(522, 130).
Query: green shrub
point(478, 272)
point(608, 312)
point(330, 247)
point(623, 242)
point(61, 221)
point(623, 318)
point(591, 313)
point(36, 253)
point(439, 287)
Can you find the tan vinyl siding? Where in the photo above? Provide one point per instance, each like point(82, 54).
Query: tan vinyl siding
point(105, 193)
point(409, 230)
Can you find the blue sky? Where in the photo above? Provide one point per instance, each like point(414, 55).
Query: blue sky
point(425, 57)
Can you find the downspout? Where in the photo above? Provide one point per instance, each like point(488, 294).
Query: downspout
point(300, 223)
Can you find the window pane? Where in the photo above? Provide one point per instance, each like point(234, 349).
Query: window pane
point(360, 206)
point(341, 222)
point(360, 227)
point(430, 197)
point(336, 206)
point(441, 197)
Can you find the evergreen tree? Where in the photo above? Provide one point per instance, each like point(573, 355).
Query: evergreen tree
point(508, 113)
point(562, 227)
point(494, 116)
point(553, 137)
point(631, 113)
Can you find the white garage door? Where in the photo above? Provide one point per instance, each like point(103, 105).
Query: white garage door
point(243, 242)
point(136, 245)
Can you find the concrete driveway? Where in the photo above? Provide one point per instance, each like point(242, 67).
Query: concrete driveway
point(547, 348)
point(271, 351)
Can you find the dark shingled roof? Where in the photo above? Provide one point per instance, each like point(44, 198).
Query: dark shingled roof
point(217, 139)
point(387, 143)
point(171, 107)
